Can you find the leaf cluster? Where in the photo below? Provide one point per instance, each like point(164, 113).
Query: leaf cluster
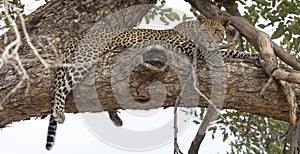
point(249, 133)
point(165, 14)
point(281, 16)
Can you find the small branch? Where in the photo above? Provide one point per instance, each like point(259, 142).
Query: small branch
point(212, 110)
point(176, 147)
point(286, 76)
point(286, 57)
point(263, 90)
point(236, 34)
point(24, 78)
point(291, 99)
point(195, 145)
point(36, 53)
point(295, 136)
point(231, 7)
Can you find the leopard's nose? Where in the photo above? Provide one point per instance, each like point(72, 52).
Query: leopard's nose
point(209, 47)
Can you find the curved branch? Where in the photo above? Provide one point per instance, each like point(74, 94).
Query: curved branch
point(286, 57)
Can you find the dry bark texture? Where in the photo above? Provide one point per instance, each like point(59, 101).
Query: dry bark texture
point(59, 21)
point(51, 28)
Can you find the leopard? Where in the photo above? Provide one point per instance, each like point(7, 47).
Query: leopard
point(87, 49)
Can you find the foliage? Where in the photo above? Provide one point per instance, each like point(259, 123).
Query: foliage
point(166, 15)
point(249, 133)
point(257, 134)
point(284, 15)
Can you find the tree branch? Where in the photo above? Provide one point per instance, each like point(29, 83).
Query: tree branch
point(243, 86)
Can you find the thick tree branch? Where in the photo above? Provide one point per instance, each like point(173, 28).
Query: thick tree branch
point(243, 86)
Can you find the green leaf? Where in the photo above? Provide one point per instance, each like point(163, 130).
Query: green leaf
point(163, 19)
point(273, 3)
point(147, 18)
point(212, 129)
point(7, 24)
point(225, 137)
point(195, 113)
point(194, 11)
point(175, 15)
point(279, 31)
point(154, 12)
point(156, 7)
point(167, 10)
point(196, 122)
point(152, 16)
point(184, 17)
point(170, 17)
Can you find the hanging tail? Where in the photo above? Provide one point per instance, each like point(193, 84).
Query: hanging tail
point(51, 133)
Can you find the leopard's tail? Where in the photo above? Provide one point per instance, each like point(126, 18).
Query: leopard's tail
point(51, 133)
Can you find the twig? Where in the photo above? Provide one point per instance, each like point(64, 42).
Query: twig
point(36, 53)
point(195, 145)
point(236, 34)
point(267, 85)
point(211, 112)
point(295, 137)
point(194, 148)
point(176, 147)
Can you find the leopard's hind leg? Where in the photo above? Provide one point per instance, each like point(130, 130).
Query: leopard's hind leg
point(65, 80)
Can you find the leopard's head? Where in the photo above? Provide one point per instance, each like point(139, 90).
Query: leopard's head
point(208, 32)
point(212, 31)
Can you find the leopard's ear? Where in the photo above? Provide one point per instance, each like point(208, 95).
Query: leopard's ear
point(202, 18)
point(225, 21)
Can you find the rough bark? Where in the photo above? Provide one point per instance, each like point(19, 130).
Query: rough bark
point(243, 86)
point(61, 20)
point(51, 28)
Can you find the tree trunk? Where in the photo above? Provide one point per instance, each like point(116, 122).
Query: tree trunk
point(59, 21)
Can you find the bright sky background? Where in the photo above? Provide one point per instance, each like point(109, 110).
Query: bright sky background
point(73, 137)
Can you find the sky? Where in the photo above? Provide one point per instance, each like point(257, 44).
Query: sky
point(82, 133)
